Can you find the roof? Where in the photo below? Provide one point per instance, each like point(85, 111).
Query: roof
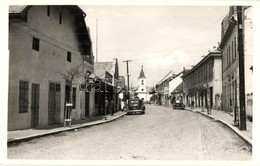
point(168, 79)
point(210, 55)
point(18, 8)
point(141, 73)
point(100, 69)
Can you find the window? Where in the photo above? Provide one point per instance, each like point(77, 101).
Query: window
point(23, 96)
point(142, 89)
point(74, 98)
point(69, 56)
point(36, 44)
point(60, 18)
point(48, 10)
point(232, 51)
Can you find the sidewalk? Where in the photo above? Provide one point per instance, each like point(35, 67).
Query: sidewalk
point(27, 134)
point(227, 120)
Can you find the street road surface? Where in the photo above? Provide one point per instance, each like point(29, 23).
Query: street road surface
point(161, 134)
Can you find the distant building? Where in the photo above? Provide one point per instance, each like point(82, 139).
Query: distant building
point(107, 74)
point(176, 86)
point(142, 90)
point(230, 58)
point(45, 41)
point(165, 89)
point(177, 93)
point(203, 83)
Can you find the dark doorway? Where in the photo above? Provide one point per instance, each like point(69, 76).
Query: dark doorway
point(35, 105)
point(211, 97)
point(87, 104)
point(54, 103)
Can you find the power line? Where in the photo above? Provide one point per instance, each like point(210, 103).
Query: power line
point(203, 30)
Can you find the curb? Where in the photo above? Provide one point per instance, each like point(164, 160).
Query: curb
point(247, 140)
point(60, 130)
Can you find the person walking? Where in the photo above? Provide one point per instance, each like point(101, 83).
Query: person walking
point(192, 104)
point(112, 107)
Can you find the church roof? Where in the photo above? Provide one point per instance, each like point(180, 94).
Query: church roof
point(141, 73)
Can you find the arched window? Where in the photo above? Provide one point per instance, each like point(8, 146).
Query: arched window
point(142, 89)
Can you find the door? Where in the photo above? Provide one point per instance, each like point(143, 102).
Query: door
point(87, 104)
point(54, 103)
point(211, 97)
point(35, 105)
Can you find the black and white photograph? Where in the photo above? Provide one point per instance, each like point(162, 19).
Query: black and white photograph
point(129, 83)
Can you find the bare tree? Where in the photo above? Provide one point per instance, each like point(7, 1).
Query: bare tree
point(69, 77)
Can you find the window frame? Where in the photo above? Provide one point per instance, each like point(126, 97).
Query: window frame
point(36, 44)
point(23, 96)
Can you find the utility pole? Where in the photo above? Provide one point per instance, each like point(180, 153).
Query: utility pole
point(96, 40)
point(127, 70)
point(240, 23)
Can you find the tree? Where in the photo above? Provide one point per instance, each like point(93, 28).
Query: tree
point(69, 77)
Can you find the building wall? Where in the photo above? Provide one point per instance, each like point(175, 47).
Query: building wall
point(217, 83)
point(38, 21)
point(142, 86)
point(230, 62)
point(230, 85)
point(174, 83)
point(142, 91)
point(44, 66)
point(203, 83)
point(248, 39)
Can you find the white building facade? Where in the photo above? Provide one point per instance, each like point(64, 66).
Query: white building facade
point(142, 89)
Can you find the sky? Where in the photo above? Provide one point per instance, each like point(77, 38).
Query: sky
point(162, 38)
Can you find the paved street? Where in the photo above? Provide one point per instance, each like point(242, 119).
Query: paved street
point(161, 134)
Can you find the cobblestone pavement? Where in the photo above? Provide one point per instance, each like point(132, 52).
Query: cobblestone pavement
point(161, 134)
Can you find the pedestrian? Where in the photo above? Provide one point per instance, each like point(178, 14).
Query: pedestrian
point(106, 106)
point(112, 107)
point(192, 104)
point(141, 103)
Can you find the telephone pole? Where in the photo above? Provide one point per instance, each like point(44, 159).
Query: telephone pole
point(96, 40)
point(127, 70)
point(240, 25)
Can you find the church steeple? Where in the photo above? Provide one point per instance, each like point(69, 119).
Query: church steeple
point(142, 73)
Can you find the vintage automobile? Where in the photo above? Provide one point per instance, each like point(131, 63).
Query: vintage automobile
point(178, 105)
point(136, 106)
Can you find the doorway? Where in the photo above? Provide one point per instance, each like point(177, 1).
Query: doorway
point(54, 103)
point(87, 104)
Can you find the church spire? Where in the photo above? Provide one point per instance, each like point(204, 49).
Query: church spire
point(142, 73)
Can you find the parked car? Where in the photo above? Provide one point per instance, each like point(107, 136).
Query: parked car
point(178, 105)
point(136, 106)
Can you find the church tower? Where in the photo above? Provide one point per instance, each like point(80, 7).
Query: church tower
point(142, 91)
